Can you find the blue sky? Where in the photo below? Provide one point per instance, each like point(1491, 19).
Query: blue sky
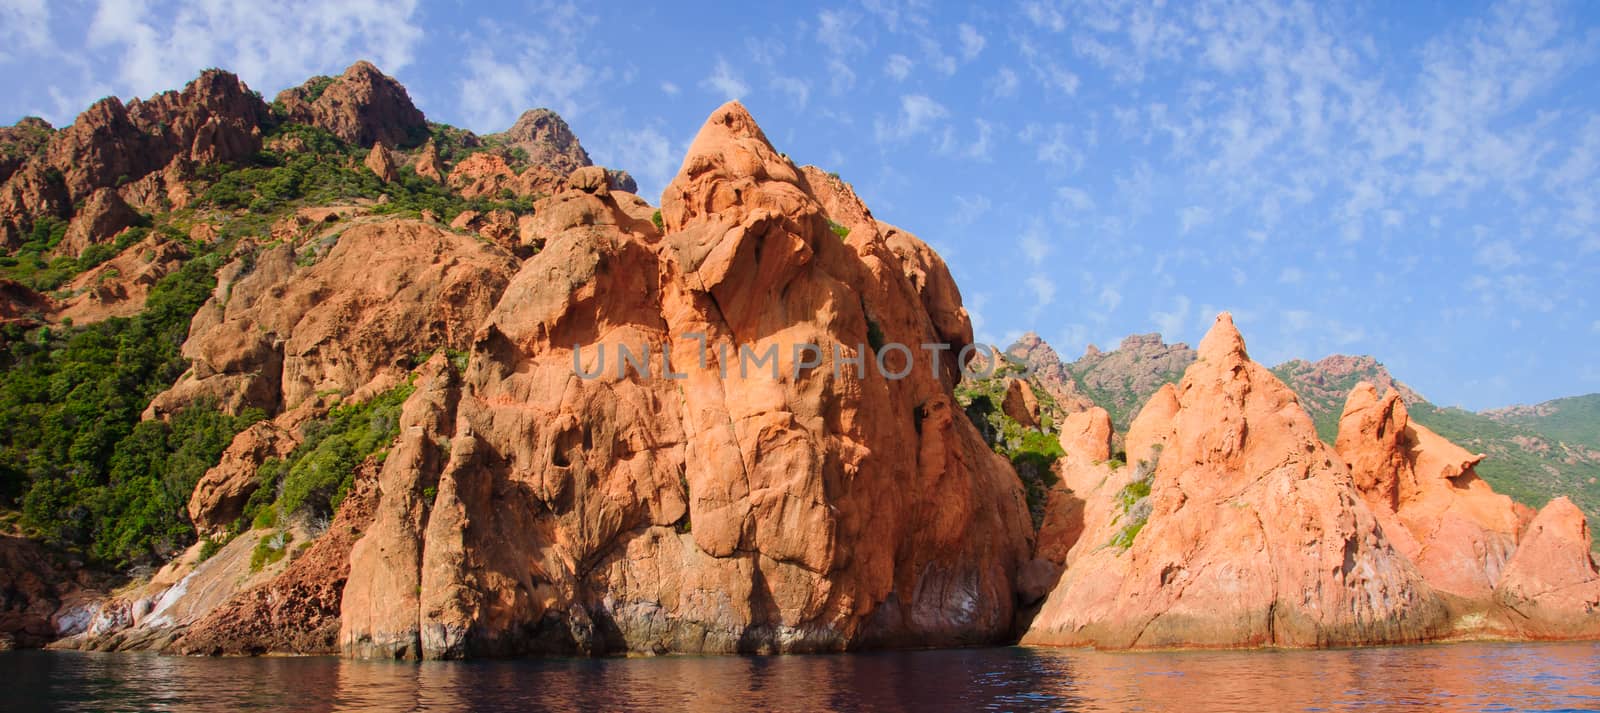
point(1420, 185)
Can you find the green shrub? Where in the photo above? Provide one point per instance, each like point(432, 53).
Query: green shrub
point(270, 549)
point(320, 471)
point(656, 219)
point(839, 230)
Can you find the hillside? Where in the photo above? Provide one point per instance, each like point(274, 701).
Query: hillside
point(1534, 452)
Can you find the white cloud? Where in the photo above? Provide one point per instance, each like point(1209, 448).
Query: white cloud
point(836, 30)
point(1595, 327)
point(1043, 289)
point(1075, 199)
point(1004, 83)
point(1035, 246)
point(1110, 298)
point(843, 78)
point(1171, 323)
point(1193, 217)
point(798, 90)
point(268, 44)
point(898, 67)
point(1498, 255)
point(509, 74)
point(977, 149)
point(645, 153)
point(969, 209)
point(972, 41)
point(725, 81)
point(669, 89)
point(1291, 276)
point(917, 115)
point(24, 27)
point(1045, 15)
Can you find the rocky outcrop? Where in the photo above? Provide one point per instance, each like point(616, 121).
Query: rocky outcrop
point(1551, 584)
point(488, 175)
point(35, 583)
point(1434, 508)
point(1254, 535)
point(296, 611)
point(381, 162)
point(103, 215)
point(1122, 379)
point(220, 496)
point(1020, 404)
point(20, 305)
point(142, 150)
point(548, 141)
point(341, 310)
point(120, 286)
point(22, 141)
point(719, 512)
point(363, 106)
point(215, 118)
point(428, 164)
point(1051, 373)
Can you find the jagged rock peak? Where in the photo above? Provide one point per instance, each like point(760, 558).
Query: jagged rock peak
point(1223, 341)
point(363, 106)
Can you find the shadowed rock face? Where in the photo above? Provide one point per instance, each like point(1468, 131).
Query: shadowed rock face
point(1256, 534)
point(719, 512)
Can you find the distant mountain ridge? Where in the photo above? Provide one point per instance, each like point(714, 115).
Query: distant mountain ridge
point(1534, 452)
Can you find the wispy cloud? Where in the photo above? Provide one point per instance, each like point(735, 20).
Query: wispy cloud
point(897, 67)
point(725, 82)
point(271, 45)
point(972, 41)
point(918, 113)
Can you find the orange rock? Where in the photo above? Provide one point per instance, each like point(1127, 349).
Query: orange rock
point(295, 322)
point(220, 496)
point(1551, 583)
point(362, 106)
point(1456, 529)
point(1255, 533)
point(1086, 435)
point(119, 286)
point(1020, 403)
point(103, 215)
point(719, 512)
point(381, 163)
point(428, 164)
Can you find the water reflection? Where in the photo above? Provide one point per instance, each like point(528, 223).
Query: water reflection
point(1456, 677)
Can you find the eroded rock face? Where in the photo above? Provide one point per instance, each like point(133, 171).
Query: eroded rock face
point(381, 162)
point(1256, 534)
point(344, 310)
point(362, 106)
point(1457, 530)
point(428, 164)
point(1551, 584)
point(716, 512)
point(1020, 404)
point(141, 150)
point(103, 215)
point(1051, 372)
point(120, 286)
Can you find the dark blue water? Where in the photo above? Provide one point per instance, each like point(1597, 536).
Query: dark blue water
point(1464, 677)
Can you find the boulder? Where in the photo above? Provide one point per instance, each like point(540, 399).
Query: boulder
point(1551, 584)
point(381, 162)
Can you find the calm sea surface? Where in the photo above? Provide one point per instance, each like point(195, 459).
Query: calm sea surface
point(1467, 677)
